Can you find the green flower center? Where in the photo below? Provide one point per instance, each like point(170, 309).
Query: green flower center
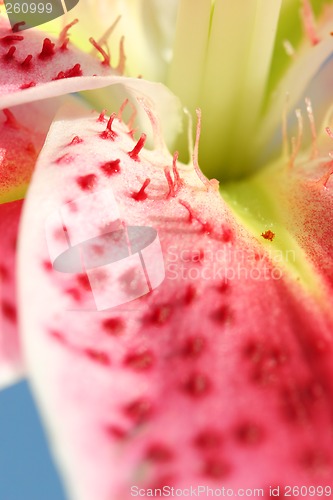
point(222, 57)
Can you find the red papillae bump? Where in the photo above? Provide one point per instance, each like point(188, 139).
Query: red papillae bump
point(116, 432)
point(6, 40)
point(9, 311)
point(227, 235)
point(26, 64)
point(113, 326)
point(197, 385)
point(98, 356)
point(193, 347)
point(139, 411)
point(268, 235)
point(10, 54)
point(208, 439)
point(248, 434)
point(83, 281)
point(47, 265)
point(47, 49)
point(170, 182)
point(108, 132)
point(58, 336)
point(69, 73)
point(141, 195)
point(134, 154)
point(158, 452)
point(221, 314)
point(10, 119)
point(66, 158)
point(216, 468)
point(4, 274)
point(28, 85)
point(111, 167)
point(87, 182)
point(188, 208)
point(140, 360)
point(159, 315)
point(76, 140)
point(16, 27)
point(190, 295)
point(101, 117)
point(106, 57)
point(223, 287)
point(315, 461)
point(74, 293)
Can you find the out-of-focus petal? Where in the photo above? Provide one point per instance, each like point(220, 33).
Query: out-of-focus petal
point(11, 364)
point(147, 25)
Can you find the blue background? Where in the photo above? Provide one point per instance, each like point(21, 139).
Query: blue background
point(26, 468)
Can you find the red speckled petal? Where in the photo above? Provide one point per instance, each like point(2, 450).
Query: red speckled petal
point(222, 375)
point(53, 70)
point(11, 365)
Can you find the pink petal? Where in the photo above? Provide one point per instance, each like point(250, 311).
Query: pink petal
point(29, 59)
point(11, 365)
point(54, 71)
point(220, 375)
point(23, 130)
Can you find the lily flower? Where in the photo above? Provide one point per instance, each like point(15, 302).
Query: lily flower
point(177, 332)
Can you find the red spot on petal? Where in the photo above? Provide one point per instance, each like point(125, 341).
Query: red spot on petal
point(83, 281)
point(64, 159)
point(108, 132)
point(28, 85)
point(216, 468)
point(193, 347)
point(221, 314)
point(158, 452)
point(111, 167)
point(141, 195)
point(76, 140)
point(190, 295)
point(47, 266)
point(197, 385)
point(69, 73)
point(140, 360)
point(4, 274)
point(113, 326)
point(26, 64)
point(47, 49)
point(101, 117)
point(139, 410)
point(10, 119)
point(10, 54)
point(58, 336)
point(134, 154)
point(159, 315)
point(208, 439)
point(98, 356)
point(9, 311)
point(116, 432)
point(74, 293)
point(249, 434)
point(87, 182)
point(6, 40)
